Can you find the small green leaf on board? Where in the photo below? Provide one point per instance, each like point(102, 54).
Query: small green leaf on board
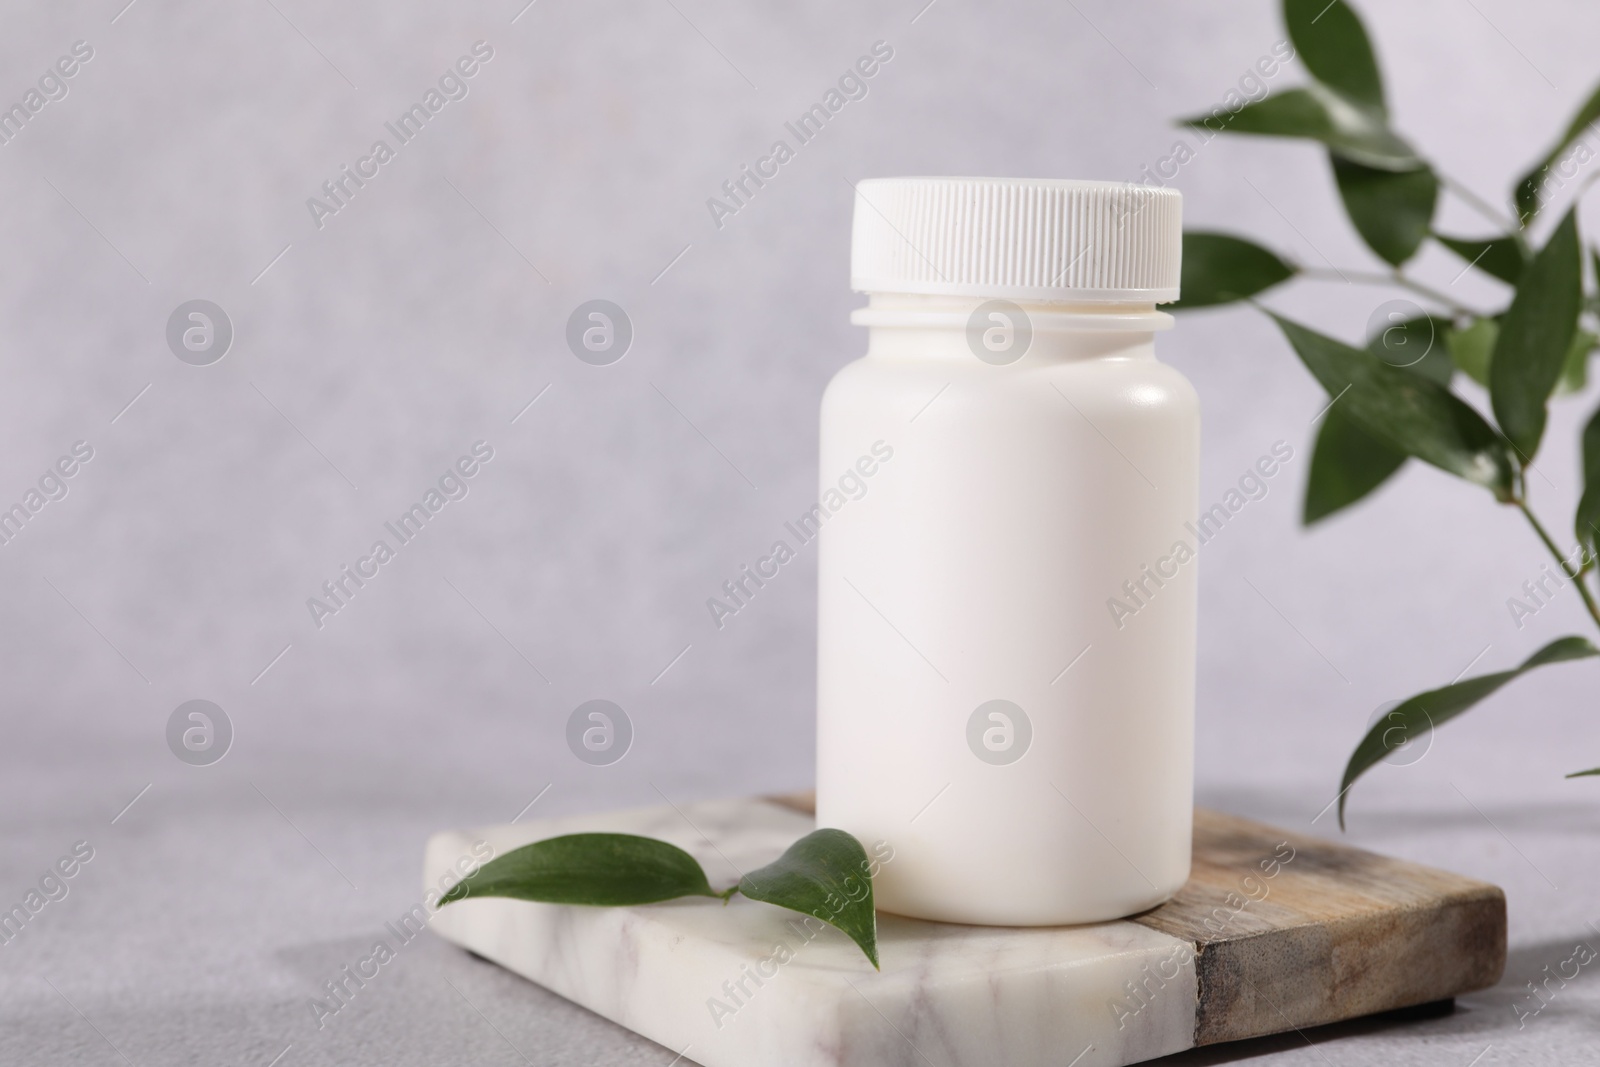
point(598, 869)
point(827, 875)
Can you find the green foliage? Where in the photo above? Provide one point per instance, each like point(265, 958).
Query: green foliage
point(825, 874)
point(1385, 405)
point(1409, 413)
point(1347, 463)
point(1390, 199)
point(1528, 189)
point(1430, 710)
point(1317, 113)
point(1534, 338)
point(1334, 47)
point(1420, 345)
point(1392, 210)
point(1586, 523)
point(1500, 257)
point(1220, 269)
point(1473, 347)
point(1575, 371)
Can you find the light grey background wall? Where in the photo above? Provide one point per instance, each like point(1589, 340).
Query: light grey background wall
point(372, 351)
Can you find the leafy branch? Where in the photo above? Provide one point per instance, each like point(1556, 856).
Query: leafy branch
point(1396, 277)
point(1392, 401)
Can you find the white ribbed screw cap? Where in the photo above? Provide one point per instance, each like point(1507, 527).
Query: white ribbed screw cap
point(1022, 238)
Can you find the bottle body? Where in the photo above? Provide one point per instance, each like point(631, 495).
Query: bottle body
point(984, 706)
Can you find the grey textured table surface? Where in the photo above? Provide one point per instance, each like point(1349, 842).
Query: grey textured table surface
point(217, 905)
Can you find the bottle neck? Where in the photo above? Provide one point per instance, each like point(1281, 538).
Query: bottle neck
point(916, 326)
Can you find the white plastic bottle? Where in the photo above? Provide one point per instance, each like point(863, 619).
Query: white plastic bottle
point(1007, 579)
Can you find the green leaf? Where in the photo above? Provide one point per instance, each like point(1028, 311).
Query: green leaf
point(1334, 47)
point(1392, 210)
point(1575, 371)
point(1591, 772)
point(1317, 113)
point(825, 874)
point(1219, 269)
point(1500, 257)
point(601, 869)
point(1419, 345)
point(1473, 347)
point(1527, 193)
point(1535, 336)
point(1406, 411)
point(1347, 463)
point(1587, 521)
point(1430, 710)
point(1594, 255)
point(1435, 364)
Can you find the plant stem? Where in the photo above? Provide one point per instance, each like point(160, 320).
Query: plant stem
point(1396, 278)
point(1434, 294)
point(1575, 576)
point(1482, 206)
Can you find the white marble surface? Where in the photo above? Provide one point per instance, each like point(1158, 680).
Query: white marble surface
point(951, 995)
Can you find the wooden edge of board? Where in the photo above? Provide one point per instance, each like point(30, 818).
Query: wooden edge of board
point(1292, 931)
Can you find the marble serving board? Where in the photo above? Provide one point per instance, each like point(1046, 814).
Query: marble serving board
point(1274, 931)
